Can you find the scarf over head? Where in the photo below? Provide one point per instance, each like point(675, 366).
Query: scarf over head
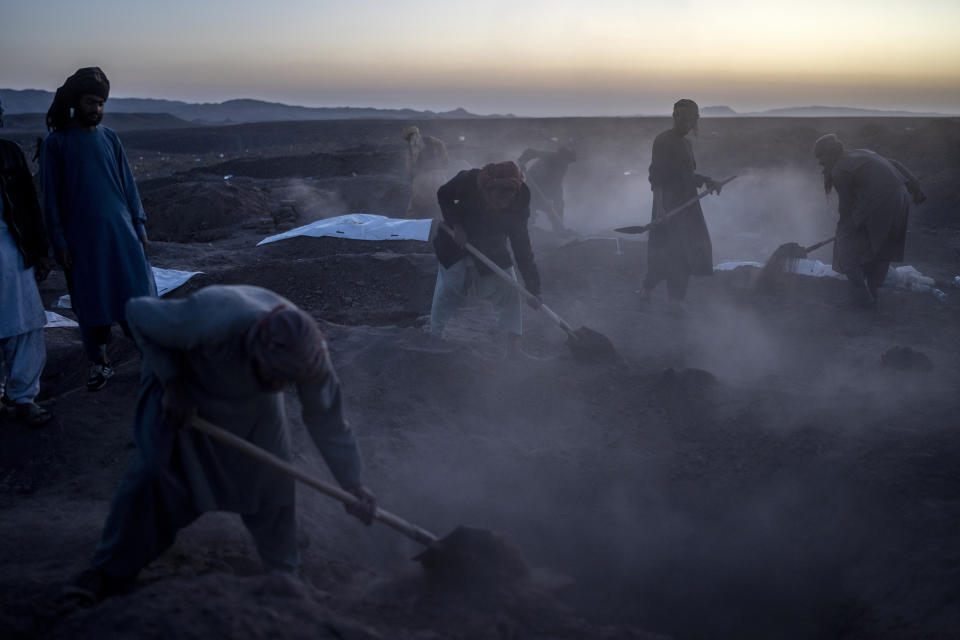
point(89, 80)
point(499, 183)
point(287, 345)
point(827, 149)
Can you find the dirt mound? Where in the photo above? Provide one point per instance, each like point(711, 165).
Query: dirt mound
point(381, 288)
point(906, 359)
point(312, 165)
point(203, 210)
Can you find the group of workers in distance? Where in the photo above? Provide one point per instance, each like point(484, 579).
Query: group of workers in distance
point(226, 353)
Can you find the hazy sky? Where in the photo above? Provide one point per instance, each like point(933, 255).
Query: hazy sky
point(531, 57)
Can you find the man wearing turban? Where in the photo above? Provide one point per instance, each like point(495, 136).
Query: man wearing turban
point(94, 217)
point(426, 164)
point(545, 172)
point(875, 194)
point(680, 247)
point(485, 207)
point(225, 352)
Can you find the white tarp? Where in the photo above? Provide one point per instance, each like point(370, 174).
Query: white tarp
point(56, 320)
point(167, 280)
point(905, 277)
point(360, 226)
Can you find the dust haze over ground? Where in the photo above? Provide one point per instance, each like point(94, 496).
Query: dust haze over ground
point(751, 469)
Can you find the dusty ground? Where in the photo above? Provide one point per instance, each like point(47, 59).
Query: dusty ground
point(752, 468)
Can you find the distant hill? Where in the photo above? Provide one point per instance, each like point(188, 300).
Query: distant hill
point(717, 112)
point(812, 112)
point(241, 110)
point(25, 122)
point(834, 112)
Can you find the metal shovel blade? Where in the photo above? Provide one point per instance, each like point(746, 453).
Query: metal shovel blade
point(591, 346)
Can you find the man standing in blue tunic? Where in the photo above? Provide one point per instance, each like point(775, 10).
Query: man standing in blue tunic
point(94, 217)
point(23, 261)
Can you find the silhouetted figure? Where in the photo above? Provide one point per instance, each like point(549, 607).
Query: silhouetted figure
point(485, 207)
point(426, 166)
point(93, 213)
point(24, 261)
point(545, 178)
point(875, 194)
point(681, 247)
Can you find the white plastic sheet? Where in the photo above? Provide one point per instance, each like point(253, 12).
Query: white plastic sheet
point(360, 226)
point(167, 280)
point(803, 267)
point(55, 320)
point(905, 277)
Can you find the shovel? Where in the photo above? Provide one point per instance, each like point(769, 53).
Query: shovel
point(468, 554)
point(584, 343)
point(784, 259)
point(643, 228)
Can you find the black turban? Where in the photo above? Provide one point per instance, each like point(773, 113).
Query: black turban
point(685, 103)
point(89, 80)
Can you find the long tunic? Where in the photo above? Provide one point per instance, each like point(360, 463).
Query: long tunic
point(201, 339)
point(92, 207)
point(21, 309)
point(683, 243)
point(874, 205)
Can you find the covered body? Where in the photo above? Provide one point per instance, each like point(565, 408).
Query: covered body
point(680, 247)
point(92, 208)
point(180, 474)
point(874, 206)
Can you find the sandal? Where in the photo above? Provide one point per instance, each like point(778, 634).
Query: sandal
point(32, 414)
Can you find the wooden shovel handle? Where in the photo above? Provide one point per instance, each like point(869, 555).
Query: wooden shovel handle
point(822, 243)
point(643, 228)
point(503, 275)
point(408, 529)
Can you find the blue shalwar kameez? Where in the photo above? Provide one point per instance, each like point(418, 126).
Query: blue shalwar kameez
point(92, 207)
point(22, 349)
point(179, 474)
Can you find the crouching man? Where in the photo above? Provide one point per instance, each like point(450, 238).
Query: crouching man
point(226, 352)
point(875, 195)
point(485, 207)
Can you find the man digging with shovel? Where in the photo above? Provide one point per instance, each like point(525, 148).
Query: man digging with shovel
point(485, 207)
point(225, 352)
point(875, 194)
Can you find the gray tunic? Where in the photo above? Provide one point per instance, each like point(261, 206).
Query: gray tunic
point(201, 338)
point(874, 204)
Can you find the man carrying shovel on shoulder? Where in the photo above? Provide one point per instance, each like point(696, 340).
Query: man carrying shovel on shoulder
point(485, 207)
point(679, 247)
point(225, 352)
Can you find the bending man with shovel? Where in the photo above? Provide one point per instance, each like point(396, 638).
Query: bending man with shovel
point(680, 247)
point(874, 194)
point(485, 207)
point(225, 352)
